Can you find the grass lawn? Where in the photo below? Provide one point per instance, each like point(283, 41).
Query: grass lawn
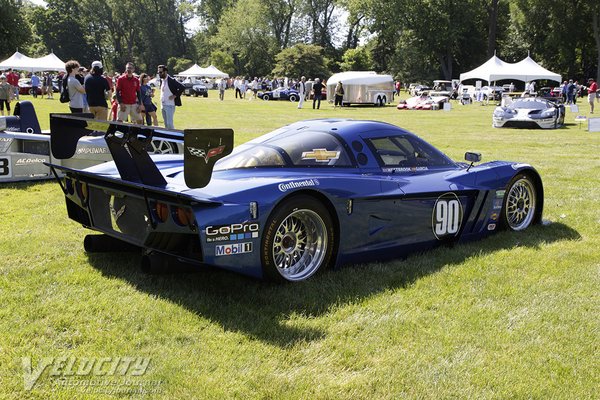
point(513, 316)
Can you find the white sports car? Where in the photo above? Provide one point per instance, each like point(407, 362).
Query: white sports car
point(529, 112)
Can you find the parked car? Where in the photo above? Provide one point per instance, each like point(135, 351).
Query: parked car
point(423, 102)
point(195, 89)
point(308, 196)
point(26, 88)
point(493, 93)
point(280, 94)
point(529, 112)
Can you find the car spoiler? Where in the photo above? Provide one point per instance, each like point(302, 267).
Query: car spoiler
point(128, 144)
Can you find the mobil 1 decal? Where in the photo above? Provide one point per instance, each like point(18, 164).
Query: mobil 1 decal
point(447, 216)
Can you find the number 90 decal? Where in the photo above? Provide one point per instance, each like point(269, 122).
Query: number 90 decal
point(447, 216)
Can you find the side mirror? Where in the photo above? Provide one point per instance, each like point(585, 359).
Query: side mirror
point(472, 157)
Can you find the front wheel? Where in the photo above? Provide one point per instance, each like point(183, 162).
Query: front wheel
point(293, 98)
point(299, 240)
point(265, 97)
point(520, 202)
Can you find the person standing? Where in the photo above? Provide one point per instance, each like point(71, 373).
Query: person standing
point(301, 91)
point(35, 85)
point(170, 96)
point(129, 96)
point(339, 94)
point(75, 88)
point(96, 89)
point(13, 80)
point(48, 84)
point(222, 86)
point(5, 94)
point(237, 85)
point(147, 93)
point(317, 93)
point(592, 88)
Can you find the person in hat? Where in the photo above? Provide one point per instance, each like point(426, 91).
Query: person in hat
point(97, 90)
point(592, 88)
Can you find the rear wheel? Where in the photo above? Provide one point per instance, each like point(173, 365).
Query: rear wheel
point(162, 147)
point(266, 97)
point(520, 201)
point(298, 240)
point(293, 98)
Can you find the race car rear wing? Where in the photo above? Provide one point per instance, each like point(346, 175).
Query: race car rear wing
point(129, 143)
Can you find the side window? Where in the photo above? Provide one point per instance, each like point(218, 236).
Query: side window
point(316, 149)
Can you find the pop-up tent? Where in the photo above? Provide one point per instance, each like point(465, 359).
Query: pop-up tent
point(214, 72)
point(495, 69)
point(50, 63)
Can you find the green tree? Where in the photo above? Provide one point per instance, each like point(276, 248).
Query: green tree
point(223, 61)
point(358, 59)
point(301, 60)
point(244, 31)
point(15, 31)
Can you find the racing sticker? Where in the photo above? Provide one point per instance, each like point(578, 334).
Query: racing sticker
point(320, 155)
point(206, 154)
point(233, 249)
point(222, 233)
point(447, 216)
point(5, 144)
point(284, 187)
point(5, 171)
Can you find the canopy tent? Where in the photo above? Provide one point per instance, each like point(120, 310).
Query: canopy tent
point(194, 70)
point(17, 61)
point(20, 61)
point(214, 72)
point(495, 69)
point(50, 63)
point(208, 72)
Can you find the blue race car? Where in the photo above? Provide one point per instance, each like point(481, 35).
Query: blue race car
point(280, 94)
point(308, 196)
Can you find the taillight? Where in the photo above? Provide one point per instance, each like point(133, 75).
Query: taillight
point(183, 216)
point(161, 211)
point(82, 191)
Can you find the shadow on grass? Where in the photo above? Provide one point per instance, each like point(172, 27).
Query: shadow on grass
point(262, 310)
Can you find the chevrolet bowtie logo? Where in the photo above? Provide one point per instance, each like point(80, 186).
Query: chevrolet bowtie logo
point(320, 155)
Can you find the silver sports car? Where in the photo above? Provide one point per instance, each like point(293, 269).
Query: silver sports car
point(529, 112)
point(24, 148)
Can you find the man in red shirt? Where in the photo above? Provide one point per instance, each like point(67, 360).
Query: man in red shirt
point(129, 96)
point(592, 88)
point(12, 78)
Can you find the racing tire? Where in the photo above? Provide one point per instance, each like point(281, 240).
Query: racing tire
point(520, 203)
point(265, 97)
point(162, 147)
point(294, 98)
point(298, 240)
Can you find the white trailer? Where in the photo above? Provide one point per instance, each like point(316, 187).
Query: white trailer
point(362, 87)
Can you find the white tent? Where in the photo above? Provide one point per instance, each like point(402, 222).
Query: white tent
point(486, 71)
point(197, 71)
point(21, 62)
point(495, 69)
point(529, 70)
point(49, 63)
point(194, 70)
point(17, 61)
point(214, 72)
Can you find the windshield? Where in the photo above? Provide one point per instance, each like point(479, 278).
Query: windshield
point(529, 104)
